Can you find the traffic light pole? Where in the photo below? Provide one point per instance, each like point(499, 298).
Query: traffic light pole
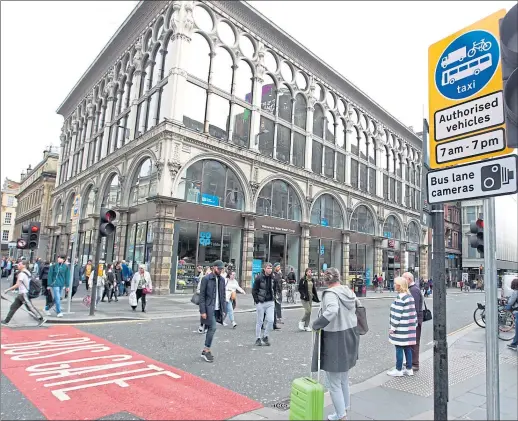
point(440, 341)
point(96, 269)
point(490, 287)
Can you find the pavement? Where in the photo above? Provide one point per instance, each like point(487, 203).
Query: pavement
point(382, 397)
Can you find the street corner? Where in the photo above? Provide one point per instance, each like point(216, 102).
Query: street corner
point(71, 369)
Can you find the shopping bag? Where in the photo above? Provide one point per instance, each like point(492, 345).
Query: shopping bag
point(132, 299)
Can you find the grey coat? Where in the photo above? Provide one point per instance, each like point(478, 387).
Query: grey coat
point(338, 327)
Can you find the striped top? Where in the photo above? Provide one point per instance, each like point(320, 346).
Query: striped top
point(403, 320)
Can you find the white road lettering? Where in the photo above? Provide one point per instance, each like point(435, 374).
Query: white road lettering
point(36, 355)
point(47, 343)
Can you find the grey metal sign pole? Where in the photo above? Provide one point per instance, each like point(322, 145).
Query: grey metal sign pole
point(440, 340)
point(491, 286)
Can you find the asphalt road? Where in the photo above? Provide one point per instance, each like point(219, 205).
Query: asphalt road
point(261, 373)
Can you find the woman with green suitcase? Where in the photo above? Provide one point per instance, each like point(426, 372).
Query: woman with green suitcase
point(340, 338)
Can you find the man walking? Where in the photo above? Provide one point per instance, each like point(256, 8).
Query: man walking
point(87, 270)
point(414, 289)
point(23, 281)
point(59, 278)
point(76, 277)
point(264, 296)
point(212, 305)
point(278, 280)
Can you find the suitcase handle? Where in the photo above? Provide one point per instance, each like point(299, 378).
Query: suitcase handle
point(317, 335)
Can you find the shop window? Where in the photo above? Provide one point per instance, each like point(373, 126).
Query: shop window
point(144, 183)
point(209, 244)
point(361, 262)
point(299, 150)
point(327, 212)
point(362, 220)
point(316, 157)
point(265, 138)
point(340, 167)
point(283, 143)
point(413, 233)
point(329, 162)
point(278, 199)
point(231, 248)
point(391, 228)
point(130, 244)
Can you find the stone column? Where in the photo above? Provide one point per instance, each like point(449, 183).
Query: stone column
point(248, 250)
point(403, 262)
point(423, 261)
point(162, 254)
point(309, 131)
point(120, 234)
point(304, 248)
point(379, 172)
point(52, 239)
point(345, 264)
point(112, 94)
point(72, 149)
point(255, 123)
point(378, 256)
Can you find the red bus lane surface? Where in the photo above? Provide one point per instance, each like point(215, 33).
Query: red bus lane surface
point(63, 371)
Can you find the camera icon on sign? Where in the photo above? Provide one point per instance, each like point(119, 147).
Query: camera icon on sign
point(494, 176)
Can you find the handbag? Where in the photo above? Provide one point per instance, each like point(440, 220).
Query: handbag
point(146, 291)
point(195, 299)
point(361, 315)
point(233, 296)
point(427, 314)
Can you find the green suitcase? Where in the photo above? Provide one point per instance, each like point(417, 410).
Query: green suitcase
point(307, 396)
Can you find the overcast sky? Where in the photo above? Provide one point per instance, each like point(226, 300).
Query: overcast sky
point(381, 47)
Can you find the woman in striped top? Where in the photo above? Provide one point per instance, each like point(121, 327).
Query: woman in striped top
point(402, 331)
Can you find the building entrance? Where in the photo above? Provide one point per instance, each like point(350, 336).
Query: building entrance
point(275, 248)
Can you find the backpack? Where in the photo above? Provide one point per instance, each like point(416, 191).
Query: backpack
point(34, 286)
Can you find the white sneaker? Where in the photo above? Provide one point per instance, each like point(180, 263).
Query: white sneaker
point(200, 329)
point(225, 324)
point(408, 372)
point(395, 373)
point(47, 313)
point(60, 314)
point(234, 324)
point(308, 329)
point(301, 326)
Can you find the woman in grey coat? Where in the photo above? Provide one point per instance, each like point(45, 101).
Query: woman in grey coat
point(340, 340)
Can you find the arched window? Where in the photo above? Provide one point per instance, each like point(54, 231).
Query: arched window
point(362, 220)
point(352, 140)
point(340, 133)
point(285, 103)
point(268, 95)
point(318, 121)
point(243, 82)
point(279, 199)
point(372, 151)
point(158, 66)
point(417, 176)
point(398, 166)
point(198, 62)
point(363, 145)
point(330, 127)
point(327, 212)
point(413, 233)
point(68, 211)
point(111, 193)
point(88, 203)
point(58, 212)
point(212, 183)
point(301, 112)
point(391, 228)
point(390, 161)
point(144, 183)
point(221, 70)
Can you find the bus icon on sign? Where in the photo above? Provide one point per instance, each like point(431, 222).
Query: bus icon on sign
point(467, 65)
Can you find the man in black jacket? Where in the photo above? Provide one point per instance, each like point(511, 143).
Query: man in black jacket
point(278, 280)
point(418, 299)
point(264, 295)
point(212, 305)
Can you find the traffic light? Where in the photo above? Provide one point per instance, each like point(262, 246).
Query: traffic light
point(106, 226)
point(23, 242)
point(509, 48)
point(477, 239)
point(34, 235)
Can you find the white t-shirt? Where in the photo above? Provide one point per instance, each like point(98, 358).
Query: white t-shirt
point(24, 283)
point(216, 307)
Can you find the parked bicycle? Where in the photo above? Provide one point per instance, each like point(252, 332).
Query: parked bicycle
point(506, 319)
point(291, 294)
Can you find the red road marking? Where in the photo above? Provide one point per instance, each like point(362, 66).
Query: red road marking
point(69, 374)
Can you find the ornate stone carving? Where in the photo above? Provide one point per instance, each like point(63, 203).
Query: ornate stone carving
point(254, 186)
point(137, 58)
point(111, 86)
point(182, 21)
point(121, 181)
point(309, 200)
point(159, 164)
point(174, 167)
point(90, 106)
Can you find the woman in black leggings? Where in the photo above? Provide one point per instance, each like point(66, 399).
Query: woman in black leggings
point(141, 284)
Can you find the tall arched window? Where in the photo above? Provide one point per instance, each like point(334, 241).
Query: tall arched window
point(279, 199)
point(221, 70)
point(363, 145)
point(212, 183)
point(372, 151)
point(318, 121)
point(88, 207)
point(144, 183)
point(111, 193)
point(327, 212)
point(285, 103)
point(330, 127)
point(301, 112)
point(340, 134)
point(391, 228)
point(413, 233)
point(243, 82)
point(58, 212)
point(269, 95)
point(67, 217)
point(198, 62)
point(362, 220)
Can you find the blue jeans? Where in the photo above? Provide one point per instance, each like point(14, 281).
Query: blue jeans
point(121, 289)
point(515, 340)
point(210, 333)
point(339, 391)
point(230, 311)
point(56, 291)
point(267, 308)
point(400, 350)
point(391, 286)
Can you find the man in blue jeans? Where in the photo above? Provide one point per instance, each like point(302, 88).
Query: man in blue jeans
point(58, 278)
point(212, 305)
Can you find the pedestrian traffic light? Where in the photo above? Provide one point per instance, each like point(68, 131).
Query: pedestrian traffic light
point(509, 48)
point(34, 235)
point(106, 226)
point(23, 242)
point(477, 239)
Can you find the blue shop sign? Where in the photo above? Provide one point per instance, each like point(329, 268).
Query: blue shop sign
point(322, 250)
point(324, 222)
point(205, 238)
point(209, 199)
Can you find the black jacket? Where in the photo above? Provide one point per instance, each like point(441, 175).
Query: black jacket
point(264, 288)
point(291, 277)
point(118, 275)
point(418, 301)
point(208, 299)
point(303, 290)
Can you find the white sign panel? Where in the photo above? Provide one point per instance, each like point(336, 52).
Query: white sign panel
point(468, 117)
point(493, 177)
point(464, 277)
point(475, 145)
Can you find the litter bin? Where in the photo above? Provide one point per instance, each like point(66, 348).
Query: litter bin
point(359, 287)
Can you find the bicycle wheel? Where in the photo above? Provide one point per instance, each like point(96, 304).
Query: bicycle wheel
point(479, 317)
point(506, 323)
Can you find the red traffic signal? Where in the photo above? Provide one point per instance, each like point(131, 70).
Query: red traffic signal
point(34, 236)
point(106, 226)
point(480, 223)
point(35, 229)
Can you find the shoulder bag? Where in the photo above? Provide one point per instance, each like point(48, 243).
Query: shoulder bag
point(427, 314)
point(361, 315)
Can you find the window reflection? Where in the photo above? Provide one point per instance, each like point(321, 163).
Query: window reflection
point(363, 145)
point(316, 158)
point(391, 228)
point(372, 152)
point(88, 203)
point(194, 107)
point(340, 167)
point(300, 111)
point(327, 212)
point(340, 133)
point(283, 143)
point(243, 82)
point(144, 183)
point(318, 121)
point(241, 128)
point(266, 137)
point(285, 103)
point(219, 117)
point(372, 181)
point(329, 162)
point(352, 139)
point(198, 62)
point(112, 192)
point(362, 220)
point(299, 149)
point(269, 95)
point(279, 199)
point(354, 173)
point(363, 177)
point(413, 233)
point(330, 127)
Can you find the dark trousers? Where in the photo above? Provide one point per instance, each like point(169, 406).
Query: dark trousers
point(49, 298)
point(210, 332)
point(107, 293)
point(20, 300)
point(74, 290)
point(139, 296)
point(114, 293)
point(415, 348)
point(278, 310)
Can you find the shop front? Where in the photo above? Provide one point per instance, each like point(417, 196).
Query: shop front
point(361, 257)
point(391, 264)
point(412, 260)
point(325, 250)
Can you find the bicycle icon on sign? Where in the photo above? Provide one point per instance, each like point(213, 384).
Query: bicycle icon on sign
point(481, 46)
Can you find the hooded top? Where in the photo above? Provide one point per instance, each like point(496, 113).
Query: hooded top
point(339, 334)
